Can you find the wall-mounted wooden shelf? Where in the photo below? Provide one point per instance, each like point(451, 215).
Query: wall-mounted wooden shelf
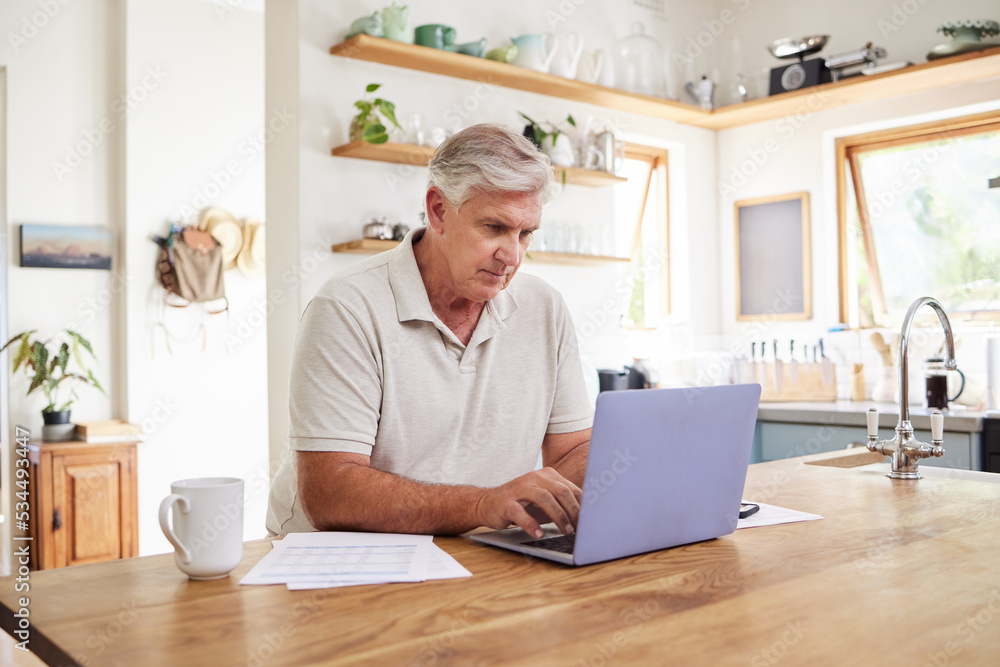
point(365, 246)
point(387, 152)
point(375, 246)
point(435, 61)
point(419, 156)
point(933, 75)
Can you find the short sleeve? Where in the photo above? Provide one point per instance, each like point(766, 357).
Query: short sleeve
point(335, 386)
point(571, 408)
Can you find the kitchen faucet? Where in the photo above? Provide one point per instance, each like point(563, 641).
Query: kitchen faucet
point(904, 449)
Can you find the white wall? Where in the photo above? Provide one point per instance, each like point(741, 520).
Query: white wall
point(193, 77)
point(196, 139)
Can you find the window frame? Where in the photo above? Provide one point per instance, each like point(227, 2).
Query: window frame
point(847, 149)
point(658, 159)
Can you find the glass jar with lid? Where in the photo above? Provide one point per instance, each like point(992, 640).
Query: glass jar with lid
point(639, 64)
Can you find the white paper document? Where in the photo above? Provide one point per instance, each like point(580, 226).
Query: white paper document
point(770, 515)
point(440, 565)
point(342, 557)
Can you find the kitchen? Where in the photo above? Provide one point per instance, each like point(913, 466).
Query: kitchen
point(213, 98)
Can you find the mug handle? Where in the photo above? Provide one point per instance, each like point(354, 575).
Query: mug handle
point(185, 506)
point(961, 387)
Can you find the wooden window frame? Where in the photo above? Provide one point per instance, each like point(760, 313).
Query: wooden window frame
point(657, 158)
point(847, 149)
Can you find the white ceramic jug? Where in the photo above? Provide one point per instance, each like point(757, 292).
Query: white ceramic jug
point(560, 152)
point(607, 76)
point(566, 61)
point(535, 51)
point(590, 66)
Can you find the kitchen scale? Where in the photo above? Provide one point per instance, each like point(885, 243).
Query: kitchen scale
point(804, 73)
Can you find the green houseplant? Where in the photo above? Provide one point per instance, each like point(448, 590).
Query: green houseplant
point(370, 122)
point(47, 366)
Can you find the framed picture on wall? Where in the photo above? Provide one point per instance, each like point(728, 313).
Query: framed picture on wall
point(773, 267)
point(65, 247)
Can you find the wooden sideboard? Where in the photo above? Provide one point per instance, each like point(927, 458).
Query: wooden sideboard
point(897, 573)
point(84, 503)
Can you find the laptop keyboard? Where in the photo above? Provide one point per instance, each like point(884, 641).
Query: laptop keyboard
point(561, 543)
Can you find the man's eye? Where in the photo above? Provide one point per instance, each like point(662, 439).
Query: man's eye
point(526, 234)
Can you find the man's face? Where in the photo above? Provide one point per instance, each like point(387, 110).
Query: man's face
point(485, 240)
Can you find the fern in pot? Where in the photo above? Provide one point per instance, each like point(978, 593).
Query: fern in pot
point(56, 367)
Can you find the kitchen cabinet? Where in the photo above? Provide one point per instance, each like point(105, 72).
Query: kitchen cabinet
point(83, 503)
point(933, 75)
point(775, 440)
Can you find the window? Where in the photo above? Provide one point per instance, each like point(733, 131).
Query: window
point(918, 217)
point(643, 199)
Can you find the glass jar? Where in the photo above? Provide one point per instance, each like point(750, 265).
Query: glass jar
point(639, 64)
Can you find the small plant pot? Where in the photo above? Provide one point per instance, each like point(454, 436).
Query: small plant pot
point(56, 417)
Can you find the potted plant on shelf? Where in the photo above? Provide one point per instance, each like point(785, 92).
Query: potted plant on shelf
point(369, 124)
point(552, 139)
point(47, 366)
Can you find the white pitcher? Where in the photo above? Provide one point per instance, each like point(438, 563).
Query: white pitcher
point(567, 60)
point(590, 66)
point(535, 51)
point(608, 76)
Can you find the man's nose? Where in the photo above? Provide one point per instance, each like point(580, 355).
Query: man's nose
point(509, 251)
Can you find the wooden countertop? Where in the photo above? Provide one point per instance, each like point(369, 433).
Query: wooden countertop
point(898, 573)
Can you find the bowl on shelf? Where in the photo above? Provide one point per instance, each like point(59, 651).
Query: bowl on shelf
point(797, 47)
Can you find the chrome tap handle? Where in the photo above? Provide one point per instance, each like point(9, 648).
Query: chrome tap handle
point(872, 417)
point(937, 433)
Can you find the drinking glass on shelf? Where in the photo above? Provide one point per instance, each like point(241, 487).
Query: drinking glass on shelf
point(413, 126)
point(556, 236)
point(539, 240)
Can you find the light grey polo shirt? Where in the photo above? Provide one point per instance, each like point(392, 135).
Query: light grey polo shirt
point(376, 372)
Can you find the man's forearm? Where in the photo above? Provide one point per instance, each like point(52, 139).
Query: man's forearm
point(573, 465)
point(362, 498)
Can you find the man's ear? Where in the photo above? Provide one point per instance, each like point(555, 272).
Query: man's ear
point(436, 205)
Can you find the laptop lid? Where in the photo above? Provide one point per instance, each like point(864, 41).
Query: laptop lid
point(666, 467)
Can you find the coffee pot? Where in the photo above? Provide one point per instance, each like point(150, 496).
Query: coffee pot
point(936, 381)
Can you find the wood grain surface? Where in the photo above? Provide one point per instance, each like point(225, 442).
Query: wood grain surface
point(897, 573)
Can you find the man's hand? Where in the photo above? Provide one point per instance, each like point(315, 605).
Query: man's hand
point(539, 495)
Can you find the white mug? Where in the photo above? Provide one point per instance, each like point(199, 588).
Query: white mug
point(207, 531)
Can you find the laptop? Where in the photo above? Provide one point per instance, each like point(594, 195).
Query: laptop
point(666, 467)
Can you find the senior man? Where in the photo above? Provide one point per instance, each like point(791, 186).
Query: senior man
point(425, 379)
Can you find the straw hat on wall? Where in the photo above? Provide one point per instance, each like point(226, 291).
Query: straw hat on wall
point(221, 224)
point(251, 258)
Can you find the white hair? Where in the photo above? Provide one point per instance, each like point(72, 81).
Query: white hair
point(489, 158)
